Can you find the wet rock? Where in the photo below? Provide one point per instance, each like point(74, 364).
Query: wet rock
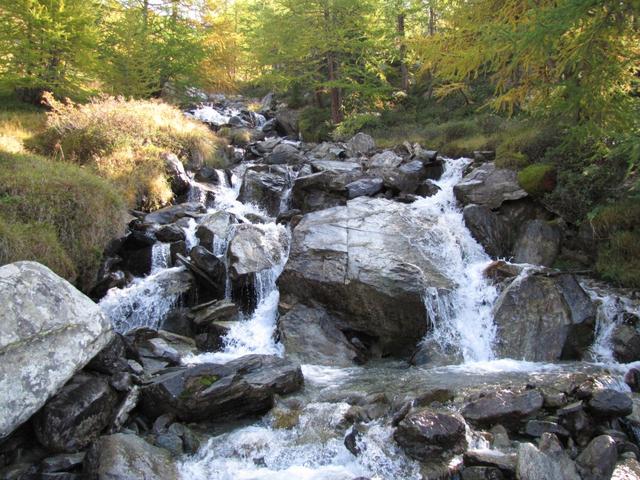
point(364, 187)
point(625, 340)
point(538, 243)
point(180, 182)
point(214, 225)
point(173, 213)
point(62, 463)
point(610, 403)
point(241, 387)
point(336, 166)
point(536, 428)
point(359, 262)
point(574, 418)
point(427, 188)
point(321, 190)
point(170, 442)
point(352, 439)
point(287, 122)
point(632, 378)
point(386, 159)
point(627, 469)
point(542, 318)
point(489, 186)
point(112, 358)
point(217, 311)
point(309, 335)
point(548, 462)
point(284, 154)
point(49, 330)
point(490, 230)
point(76, 415)
point(265, 188)
point(425, 434)
point(598, 460)
point(506, 463)
point(505, 407)
point(125, 456)
point(360, 144)
point(482, 473)
point(170, 233)
point(214, 270)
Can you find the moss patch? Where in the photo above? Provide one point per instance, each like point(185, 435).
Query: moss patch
point(538, 179)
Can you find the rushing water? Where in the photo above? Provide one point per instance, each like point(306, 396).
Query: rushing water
point(461, 319)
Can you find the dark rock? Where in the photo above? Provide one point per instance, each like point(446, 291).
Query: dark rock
point(364, 187)
point(425, 434)
point(360, 144)
point(309, 335)
point(111, 359)
point(170, 233)
point(610, 403)
point(544, 318)
point(62, 463)
point(490, 230)
point(482, 156)
point(284, 154)
point(427, 188)
point(489, 186)
point(207, 175)
point(125, 456)
point(287, 123)
point(352, 439)
point(75, 416)
point(265, 188)
point(538, 243)
point(173, 213)
point(213, 268)
point(482, 473)
point(321, 190)
point(598, 460)
point(177, 248)
point(625, 339)
point(536, 428)
point(507, 408)
point(180, 182)
point(491, 458)
point(217, 311)
point(632, 378)
point(170, 442)
point(242, 387)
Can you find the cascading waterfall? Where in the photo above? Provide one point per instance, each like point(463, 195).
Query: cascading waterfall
point(461, 319)
point(160, 256)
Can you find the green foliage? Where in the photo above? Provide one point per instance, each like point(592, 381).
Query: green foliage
point(56, 213)
point(538, 179)
point(356, 123)
point(123, 141)
point(315, 124)
point(48, 45)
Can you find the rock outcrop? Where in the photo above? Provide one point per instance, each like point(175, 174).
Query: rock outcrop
point(49, 331)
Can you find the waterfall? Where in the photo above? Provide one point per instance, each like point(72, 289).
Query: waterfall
point(461, 319)
point(160, 256)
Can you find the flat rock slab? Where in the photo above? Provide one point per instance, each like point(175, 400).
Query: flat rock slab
point(49, 330)
point(506, 408)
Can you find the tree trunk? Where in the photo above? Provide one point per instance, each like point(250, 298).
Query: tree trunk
point(432, 21)
point(404, 70)
point(336, 97)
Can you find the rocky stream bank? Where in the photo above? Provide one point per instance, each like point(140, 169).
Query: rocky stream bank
point(324, 311)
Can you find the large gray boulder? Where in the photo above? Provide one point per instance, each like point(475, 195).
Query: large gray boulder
point(309, 335)
point(242, 387)
point(173, 213)
point(544, 318)
point(538, 243)
point(504, 407)
point(321, 190)
point(49, 331)
point(284, 154)
point(490, 230)
point(360, 261)
point(265, 186)
point(489, 186)
point(126, 456)
point(550, 461)
point(360, 144)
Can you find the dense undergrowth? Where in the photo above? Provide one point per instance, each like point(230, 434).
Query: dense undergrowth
point(68, 176)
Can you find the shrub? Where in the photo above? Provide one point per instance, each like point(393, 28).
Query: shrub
point(123, 140)
point(619, 259)
point(315, 124)
point(57, 213)
point(354, 124)
point(538, 179)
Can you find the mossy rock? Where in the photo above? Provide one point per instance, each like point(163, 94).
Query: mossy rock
point(538, 179)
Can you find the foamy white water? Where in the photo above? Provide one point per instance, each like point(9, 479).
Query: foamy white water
point(461, 319)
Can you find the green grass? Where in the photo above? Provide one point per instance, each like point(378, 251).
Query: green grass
point(57, 213)
point(538, 179)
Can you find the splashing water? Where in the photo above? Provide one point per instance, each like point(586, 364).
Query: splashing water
point(462, 318)
point(145, 302)
point(160, 256)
